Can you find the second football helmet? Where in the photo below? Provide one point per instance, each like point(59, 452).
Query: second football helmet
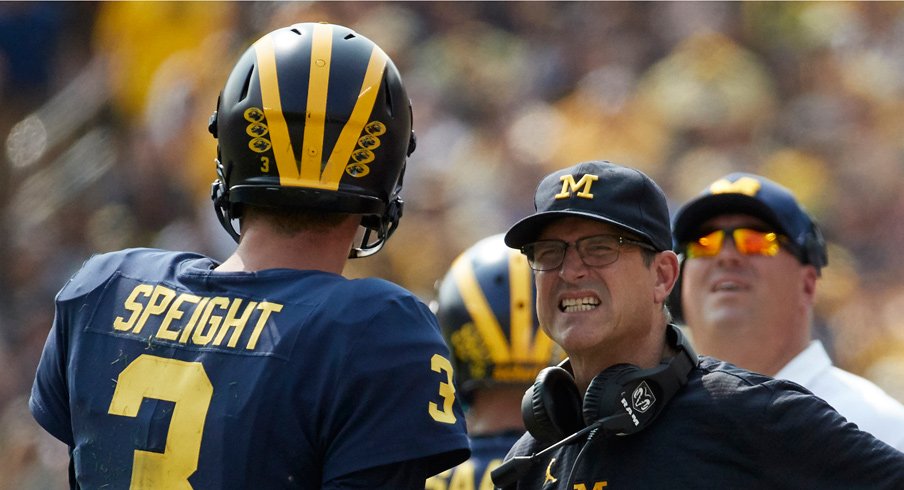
point(485, 307)
point(314, 116)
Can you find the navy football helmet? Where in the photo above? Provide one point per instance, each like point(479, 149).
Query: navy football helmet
point(485, 306)
point(314, 116)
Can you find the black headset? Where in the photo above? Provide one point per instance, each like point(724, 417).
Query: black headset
point(621, 400)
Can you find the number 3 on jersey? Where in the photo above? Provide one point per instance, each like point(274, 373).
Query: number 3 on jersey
point(445, 414)
point(187, 385)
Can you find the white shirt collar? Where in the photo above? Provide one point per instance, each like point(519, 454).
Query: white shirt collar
point(808, 365)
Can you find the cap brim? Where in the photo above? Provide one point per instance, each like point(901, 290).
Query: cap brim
point(528, 229)
point(695, 213)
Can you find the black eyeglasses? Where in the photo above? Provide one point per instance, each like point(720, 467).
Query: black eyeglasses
point(595, 251)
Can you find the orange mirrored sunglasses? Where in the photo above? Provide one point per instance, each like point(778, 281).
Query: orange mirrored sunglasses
point(747, 241)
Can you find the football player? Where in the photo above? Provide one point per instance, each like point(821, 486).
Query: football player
point(270, 369)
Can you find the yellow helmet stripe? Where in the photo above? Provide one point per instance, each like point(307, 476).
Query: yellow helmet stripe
point(315, 117)
point(279, 131)
point(524, 348)
point(543, 346)
point(520, 307)
point(359, 118)
point(479, 309)
point(310, 173)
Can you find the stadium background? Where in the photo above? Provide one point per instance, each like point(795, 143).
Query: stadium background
point(103, 125)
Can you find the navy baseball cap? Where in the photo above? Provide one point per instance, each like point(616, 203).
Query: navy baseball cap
point(601, 191)
point(743, 193)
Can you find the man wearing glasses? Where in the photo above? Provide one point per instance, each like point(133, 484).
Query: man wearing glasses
point(633, 406)
point(752, 257)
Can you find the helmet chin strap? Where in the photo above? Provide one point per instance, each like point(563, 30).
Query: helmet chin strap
point(384, 229)
point(223, 215)
point(220, 196)
point(365, 250)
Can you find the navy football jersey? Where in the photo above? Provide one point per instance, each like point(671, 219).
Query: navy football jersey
point(487, 452)
point(162, 373)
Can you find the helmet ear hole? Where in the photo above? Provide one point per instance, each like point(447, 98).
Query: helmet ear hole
point(247, 85)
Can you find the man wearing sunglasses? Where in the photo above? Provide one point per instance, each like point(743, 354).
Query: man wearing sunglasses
point(751, 259)
point(633, 406)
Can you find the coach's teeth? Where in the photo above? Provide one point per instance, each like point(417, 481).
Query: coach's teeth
point(572, 305)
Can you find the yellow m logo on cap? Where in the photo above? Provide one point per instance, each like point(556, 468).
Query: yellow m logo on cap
point(745, 185)
point(569, 186)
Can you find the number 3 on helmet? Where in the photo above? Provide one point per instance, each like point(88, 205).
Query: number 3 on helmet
point(314, 116)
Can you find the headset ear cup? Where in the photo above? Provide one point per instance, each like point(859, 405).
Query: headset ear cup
point(602, 397)
point(551, 408)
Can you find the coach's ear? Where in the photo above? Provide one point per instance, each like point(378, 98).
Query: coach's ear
point(674, 300)
point(809, 276)
point(665, 266)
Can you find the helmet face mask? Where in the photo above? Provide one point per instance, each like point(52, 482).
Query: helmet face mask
point(314, 116)
point(485, 307)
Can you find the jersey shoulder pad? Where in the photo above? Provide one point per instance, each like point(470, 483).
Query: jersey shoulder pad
point(132, 262)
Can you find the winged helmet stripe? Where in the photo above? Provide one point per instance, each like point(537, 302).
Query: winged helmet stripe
point(520, 307)
point(279, 130)
point(367, 97)
point(315, 115)
point(311, 173)
point(479, 308)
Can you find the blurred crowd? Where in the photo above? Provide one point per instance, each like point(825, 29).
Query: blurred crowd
point(104, 109)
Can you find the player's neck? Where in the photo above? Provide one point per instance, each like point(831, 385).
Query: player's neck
point(262, 249)
point(496, 410)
